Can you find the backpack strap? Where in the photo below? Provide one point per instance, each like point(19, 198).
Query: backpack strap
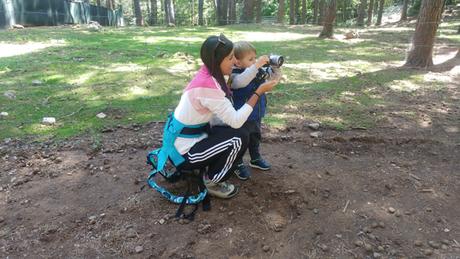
point(191, 199)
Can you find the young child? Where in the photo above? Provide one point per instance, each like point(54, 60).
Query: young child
point(246, 77)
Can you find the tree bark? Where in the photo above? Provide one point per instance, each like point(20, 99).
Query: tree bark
point(304, 12)
point(170, 19)
point(315, 11)
point(153, 12)
point(361, 13)
point(138, 13)
point(321, 12)
point(200, 12)
point(369, 12)
point(404, 11)
point(291, 11)
point(297, 12)
point(281, 11)
point(421, 53)
point(98, 2)
point(109, 4)
point(222, 11)
point(380, 15)
point(231, 11)
point(248, 11)
point(328, 24)
point(258, 11)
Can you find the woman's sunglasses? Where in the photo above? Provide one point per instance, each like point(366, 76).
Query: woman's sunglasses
point(219, 41)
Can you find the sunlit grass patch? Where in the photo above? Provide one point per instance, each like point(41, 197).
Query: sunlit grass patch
point(136, 75)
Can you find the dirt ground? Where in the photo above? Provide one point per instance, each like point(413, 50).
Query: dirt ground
point(388, 192)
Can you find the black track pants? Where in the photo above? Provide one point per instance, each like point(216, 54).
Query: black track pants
point(218, 152)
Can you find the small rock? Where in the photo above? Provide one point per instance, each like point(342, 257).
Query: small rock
point(368, 247)
point(418, 243)
point(131, 233)
point(367, 230)
point(266, 248)
point(316, 211)
point(49, 120)
point(2, 219)
point(391, 210)
point(10, 94)
point(37, 82)
point(92, 219)
point(375, 225)
point(359, 243)
point(139, 249)
point(380, 248)
point(323, 247)
point(428, 209)
point(377, 255)
point(314, 126)
point(398, 214)
point(230, 213)
point(445, 242)
point(444, 247)
point(162, 221)
point(434, 244)
point(3, 115)
point(428, 252)
point(381, 224)
point(316, 134)
point(101, 115)
point(204, 228)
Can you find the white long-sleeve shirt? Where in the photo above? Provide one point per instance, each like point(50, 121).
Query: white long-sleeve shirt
point(202, 99)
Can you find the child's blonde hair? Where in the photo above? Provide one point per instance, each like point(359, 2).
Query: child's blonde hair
point(241, 48)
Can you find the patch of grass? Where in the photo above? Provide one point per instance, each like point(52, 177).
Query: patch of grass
point(136, 75)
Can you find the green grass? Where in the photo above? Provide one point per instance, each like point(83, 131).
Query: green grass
point(136, 75)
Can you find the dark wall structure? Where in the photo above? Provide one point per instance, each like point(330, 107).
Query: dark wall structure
point(55, 12)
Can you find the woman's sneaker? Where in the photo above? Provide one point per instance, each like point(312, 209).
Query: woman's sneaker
point(260, 164)
point(221, 190)
point(242, 172)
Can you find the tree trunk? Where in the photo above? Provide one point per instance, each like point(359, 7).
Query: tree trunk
point(361, 13)
point(328, 27)
point(304, 12)
point(315, 11)
point(404, 11)
point(170, 19)
point(291, 11)
point(138, 13)
point(376, 6)
point(421, 53)
point(98, 2)
point(232, 11)
point(258, 11)
point(380, 15)
point(221, 11)
point(369, 12)
point(200, 13)
point(281, 11)
point(297, 12)
point(153, 12)
point(321, 12)
point(109, 4)
point(248, 11)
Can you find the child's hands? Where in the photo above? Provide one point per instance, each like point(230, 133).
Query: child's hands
point(262, 60)
point(267, 86)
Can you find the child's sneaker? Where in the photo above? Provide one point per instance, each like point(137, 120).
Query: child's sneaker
point(221, 190)
point(260, 164)
point(242, 172)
